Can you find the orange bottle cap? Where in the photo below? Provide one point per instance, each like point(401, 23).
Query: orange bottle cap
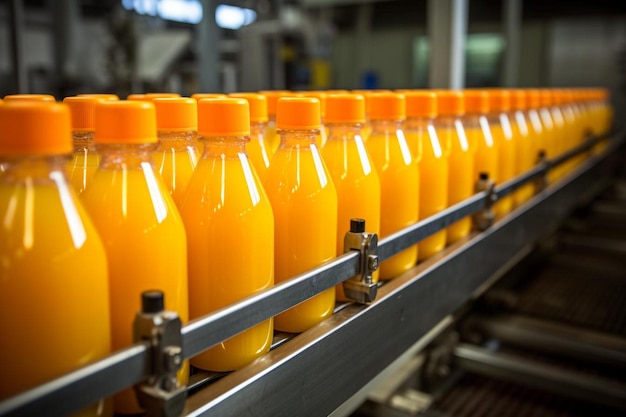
point(83, 110)
point(336, 91)
point(102, 96)
point(30, 97)
point(387, 106)
point(320, 95)
point(221, 117)
point(132, 122)
point(547, 99)
point(373, 91)
point(298, 113)
point(272, 97)
point(152, 96)
point(450, 103)
point(176, 113)
point(421, 103)
point(518, 99)
point(257, 103)
point(476, 101)
point(200, 96)
point(34, 128)
point(137, 97)
point(499, 100)
point(533, 98)
point(345, 108)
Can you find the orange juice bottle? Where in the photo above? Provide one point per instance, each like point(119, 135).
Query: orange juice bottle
point(137, 219)
point(559, 134)
point(398, 173)
point(533, 103)
point(524, 153)
point(304, 201)
point(571, 138)
point(548, 139)
point(273, 137)
point(257, 148)
point(502, 132)
point(432, 160)
point(85, 158)
point(351, 168)
point(54, 296)
point(176, 156)
point(366, 129)
point(478, 132)
point(602, 118)
point(451, 108)
point(227, 215)
point(30, 97)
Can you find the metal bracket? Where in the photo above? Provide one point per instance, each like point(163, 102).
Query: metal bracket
point(541, 183)
point(483, 219)
point(160, 395)
point(361, 288)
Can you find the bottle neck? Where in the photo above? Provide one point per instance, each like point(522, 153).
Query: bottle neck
point(297, 138)
point(224, 146)
point(385, 125)
point(83, 141)
point(42, 169)
point(169, 139)
point(417, 123)
point(257, 129)
point(343, 131)
point(125, 156)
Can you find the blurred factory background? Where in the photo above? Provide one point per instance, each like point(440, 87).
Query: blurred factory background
point(64, 47)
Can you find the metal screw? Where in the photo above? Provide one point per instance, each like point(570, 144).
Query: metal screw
point(372, 262)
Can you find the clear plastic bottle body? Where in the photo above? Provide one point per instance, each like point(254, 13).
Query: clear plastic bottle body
point(175, 159)
point(304, 201)
point(356, 181)
point(524, 158)
point(486, 157)
point(227, 215)
point(258, 148)
point(399, 184)
point(84, 162)
point(53, 278)
point(271, 134)
point(536, 133)
point(502, 133)
point(460, 170)
point(144, 238)
point(432, 159)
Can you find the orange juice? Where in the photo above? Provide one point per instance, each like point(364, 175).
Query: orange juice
point(398, 173)
point(258, 148)
point(134, 213)
point(432, 160)
point(227, 214)
point(271, 135)
point(176, 156)
point(451, 107)
point(502, 132)
point(54, 296)
point(525, 158)
point(304, 201)
point(479, 133)
point(351, 169)
point(85, 158)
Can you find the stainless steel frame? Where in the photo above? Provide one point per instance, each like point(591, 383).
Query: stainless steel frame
point(316, 371)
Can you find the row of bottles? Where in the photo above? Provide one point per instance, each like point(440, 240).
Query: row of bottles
point(213, 198)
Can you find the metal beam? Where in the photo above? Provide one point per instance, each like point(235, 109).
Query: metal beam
point(447, 31)
point(207, 48)
point(512, 23)
point(20, 75)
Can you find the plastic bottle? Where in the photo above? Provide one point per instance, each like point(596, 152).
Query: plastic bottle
point(524, 153)
point(502, 132)
point(478, 132)
point(351, 168)
point(432, 159)
point(549, 132)
point(559, 134)
point(451, 108)
point(85, 158)
point(533, 103)
point(571, 137)
point(304, 201)
point(137, 219)
point(322, 137)
point(30, 97)
point(257, 148)
point(366, 129)
point(176, 156)
point(398, 173)
point(272, 96)
point(54, 296)
point(230, 231)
